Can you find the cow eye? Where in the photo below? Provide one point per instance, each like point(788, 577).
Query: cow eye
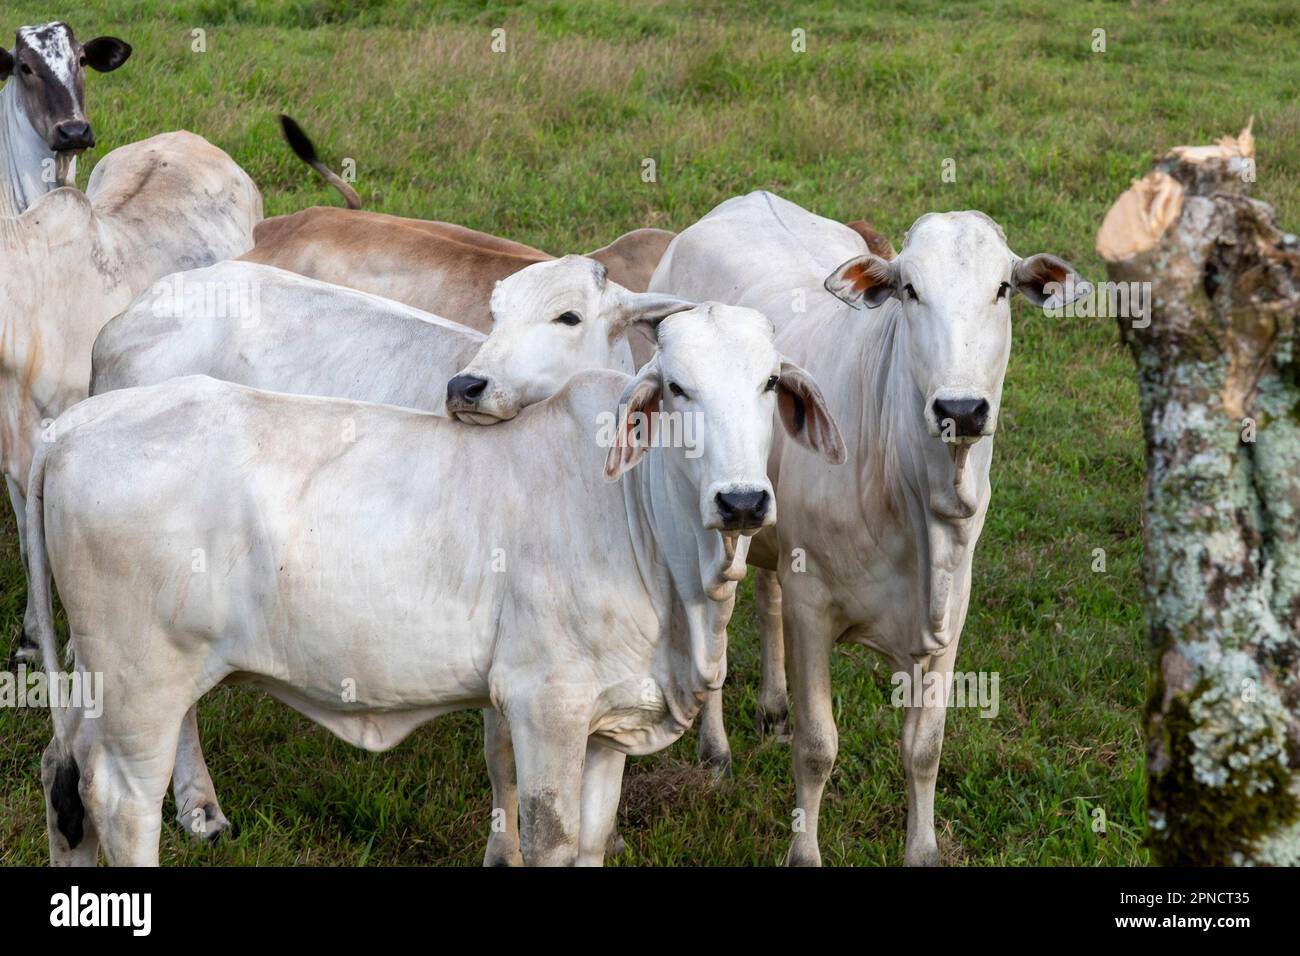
point(910, 292)
point(1003, 290)
point(82, 61)
point(771, 384)
point(676, 389)
point(27, 69)
point(568, 318)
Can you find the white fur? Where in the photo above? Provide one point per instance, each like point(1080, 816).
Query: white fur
point(604, 628)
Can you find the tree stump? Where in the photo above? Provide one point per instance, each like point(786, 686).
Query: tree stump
point(1218, 367)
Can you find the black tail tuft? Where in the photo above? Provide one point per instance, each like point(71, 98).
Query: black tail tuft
point(65, 798)
point(297, 140)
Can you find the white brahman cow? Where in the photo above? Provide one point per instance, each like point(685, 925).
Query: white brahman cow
point(268, 328)
point(878, 553)
point(268, 539)
point(72, 261)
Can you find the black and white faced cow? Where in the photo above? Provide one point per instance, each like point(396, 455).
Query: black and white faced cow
point(43, 123)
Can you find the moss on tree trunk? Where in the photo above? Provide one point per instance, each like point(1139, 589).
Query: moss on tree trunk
point(1219, 385)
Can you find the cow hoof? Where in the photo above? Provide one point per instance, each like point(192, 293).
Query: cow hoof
point(502, 851)
point(801, 854)
point(720, 766)
point(25, 653)
point(927, 856)
point(207, 824)
point(775, 724)
point(616, 845)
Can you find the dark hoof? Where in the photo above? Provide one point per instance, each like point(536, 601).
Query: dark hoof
point(772, 724)
point(24, 654)
point(720, 765)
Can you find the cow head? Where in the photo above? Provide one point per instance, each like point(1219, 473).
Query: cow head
point(955, 278)
point(707, 398)
point(48, 67)
point(550, 320)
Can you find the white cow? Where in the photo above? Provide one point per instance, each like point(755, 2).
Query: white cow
point(72, 261)
point(880, 553)
point(268, 328)
point(372, 598)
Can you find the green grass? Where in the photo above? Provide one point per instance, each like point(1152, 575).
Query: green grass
point(544, 144)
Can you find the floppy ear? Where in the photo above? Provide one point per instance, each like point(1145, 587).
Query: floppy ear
point(634, 432)
point(106, 54)
point(864, 280)
point(805, 416)
point(6, 64)
point(647, 309)
point(1048, 281)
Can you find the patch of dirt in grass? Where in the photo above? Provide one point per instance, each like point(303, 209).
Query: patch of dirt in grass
point(670, 787)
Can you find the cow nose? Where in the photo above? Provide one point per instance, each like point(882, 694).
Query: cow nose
point(968, 416)
point(74, 134)
point(741, 510)
point(465, 389)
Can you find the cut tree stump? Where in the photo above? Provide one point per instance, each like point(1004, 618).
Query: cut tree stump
point(1218, 368)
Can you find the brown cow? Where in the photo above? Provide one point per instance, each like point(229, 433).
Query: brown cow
point(435, 266)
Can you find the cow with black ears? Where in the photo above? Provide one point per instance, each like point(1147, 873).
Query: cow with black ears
point(43, 123)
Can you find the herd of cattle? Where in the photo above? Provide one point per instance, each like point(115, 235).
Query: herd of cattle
point(300, 495)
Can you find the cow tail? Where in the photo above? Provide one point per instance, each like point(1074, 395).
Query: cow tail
point(38, 589)
point(61, 773)
point(305, 150)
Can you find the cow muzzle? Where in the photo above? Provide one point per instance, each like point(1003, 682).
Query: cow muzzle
point(961, 418)
point(741, 510)
point(71, 136)
point(472, 400)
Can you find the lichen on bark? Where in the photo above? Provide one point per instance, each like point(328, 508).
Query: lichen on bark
point(1220, 398)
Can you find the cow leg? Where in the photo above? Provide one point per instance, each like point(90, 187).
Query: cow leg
point(602, 785)
point(72, 835)
point(714, 750)
point(123, 792)
point(197, 809)
point(922, 743)
point(105, 788)
point(550, 742)
point(26, 650)
point(773, 700)
point(809, 635)
point(503, 841)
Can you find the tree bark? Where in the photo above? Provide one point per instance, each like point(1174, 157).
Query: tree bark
point(1218, 370)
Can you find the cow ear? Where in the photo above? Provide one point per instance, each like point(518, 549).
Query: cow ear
point(635, 420)
point(1048, 281)
point(648, 309)
point(6, 64)
point(865, 280)
point(106, 54)
point(805, 416)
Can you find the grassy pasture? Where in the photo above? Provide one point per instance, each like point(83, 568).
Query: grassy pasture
point(544, 144)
